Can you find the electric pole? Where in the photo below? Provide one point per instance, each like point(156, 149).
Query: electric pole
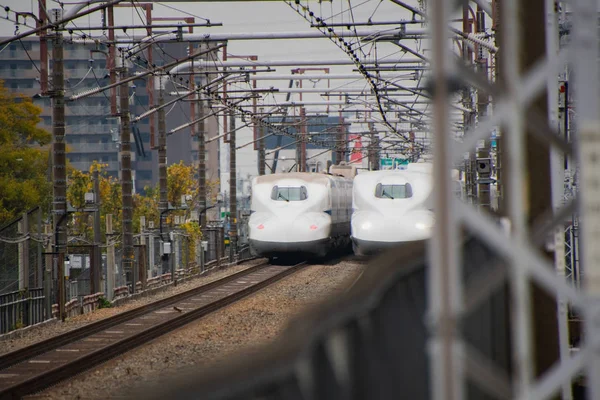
point(201, 164)
point(261, 147)
point(126, 180)
point(97, 261)
point(59, 170)
point(544, 310)
point(538, 201)
point(470, 170)
point(232, 190)
point(162, 147)
point(301, 166)
point(163, 203)
point(484, 160)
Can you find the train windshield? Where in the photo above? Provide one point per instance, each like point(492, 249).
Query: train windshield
point(393, 191)
point(297, 193)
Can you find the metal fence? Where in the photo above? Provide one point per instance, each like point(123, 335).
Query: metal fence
point(22, 246)
point(21, 308)
point(214, 234)
point(24, 249)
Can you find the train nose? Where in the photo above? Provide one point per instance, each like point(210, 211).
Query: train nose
point(302, 228)
point(407, 227)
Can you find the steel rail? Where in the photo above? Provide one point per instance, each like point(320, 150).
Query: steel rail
point(25, 353)
point(104, 353)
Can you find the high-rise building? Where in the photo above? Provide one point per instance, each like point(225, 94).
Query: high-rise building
point(92, 132)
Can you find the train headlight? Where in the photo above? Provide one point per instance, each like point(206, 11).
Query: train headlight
point(261, 226)
point(423, 226)
point(367, 225)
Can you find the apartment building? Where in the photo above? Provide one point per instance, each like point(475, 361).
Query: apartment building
point(92, 132)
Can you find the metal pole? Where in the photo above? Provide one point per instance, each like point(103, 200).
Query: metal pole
point(558, 168)
point(585, 42)
point(499, 77)
point(43, 17)
point(24, 254)
point(444, 280)
point(48, 274)
point(126, 181)
point(261, 148)
point(175, 260)
point(163, 203)
point(467, 54)
point(59, 170)
point(39, 275)
point(110, 260)
point(515, 167)
point(545, 342)
point(111, 60)
point(142, 266)
point(96, 272)
point(232, 190)
point(201, 163)
point(483, 100)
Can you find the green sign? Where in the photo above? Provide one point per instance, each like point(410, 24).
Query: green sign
point(392, 163)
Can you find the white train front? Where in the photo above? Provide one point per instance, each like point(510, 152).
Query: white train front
point(299, 212)
point(391, 207)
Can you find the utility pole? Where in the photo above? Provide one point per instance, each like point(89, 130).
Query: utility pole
point(302, 143)
point(484, 161)
point(201, 163)
point(59, 169)
point(24, 254)
point(545, 339)
point(110, 260)
point(126, 181)
point(97, 261)
point(470, 171)
point(532, 21)
point(232, 190)
point(163, 203)
point(261, 147)
point(49, 259)
point(496, 28)
point(373, 149)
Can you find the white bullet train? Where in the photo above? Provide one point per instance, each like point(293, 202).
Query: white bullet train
point(391, 207)
point(299, 213)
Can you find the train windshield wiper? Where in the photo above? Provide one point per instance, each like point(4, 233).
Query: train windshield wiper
point(283, 197)
point(384, 193)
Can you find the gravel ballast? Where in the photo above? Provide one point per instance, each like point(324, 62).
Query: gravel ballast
point(240, 327)
point(34, 334)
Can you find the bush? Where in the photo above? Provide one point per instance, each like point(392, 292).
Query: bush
point(104, 303)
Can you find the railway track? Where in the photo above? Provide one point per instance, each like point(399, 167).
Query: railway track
point(34, 368)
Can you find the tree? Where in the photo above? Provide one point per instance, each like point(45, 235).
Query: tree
point(24, 158)
point(182, 180)
point(80, 183)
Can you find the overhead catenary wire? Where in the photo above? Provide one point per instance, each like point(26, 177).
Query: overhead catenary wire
point(347, 48)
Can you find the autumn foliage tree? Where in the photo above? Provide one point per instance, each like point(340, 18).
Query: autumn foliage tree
point(24, 157)
point(182, 180)
point(80, 183)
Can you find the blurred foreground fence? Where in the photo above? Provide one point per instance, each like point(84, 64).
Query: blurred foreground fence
point(369, 343)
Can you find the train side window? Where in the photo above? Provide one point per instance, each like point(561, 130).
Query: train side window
point(289, 193)
point(393, 191)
